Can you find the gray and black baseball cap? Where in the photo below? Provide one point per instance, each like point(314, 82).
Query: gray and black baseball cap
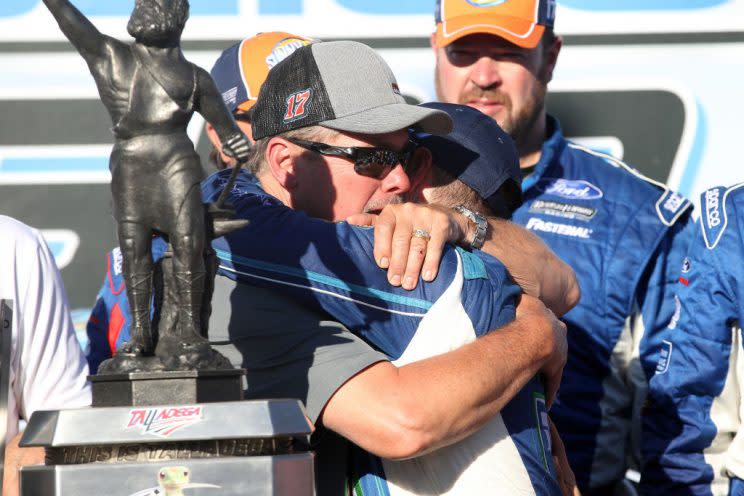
point(342, 85)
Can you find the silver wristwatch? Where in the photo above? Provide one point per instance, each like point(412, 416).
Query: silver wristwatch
point(481, 225)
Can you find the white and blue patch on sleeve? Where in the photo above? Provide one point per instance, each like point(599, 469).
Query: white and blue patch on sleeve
point(714, 217)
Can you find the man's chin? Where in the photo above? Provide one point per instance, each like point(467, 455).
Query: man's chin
point(497, 112)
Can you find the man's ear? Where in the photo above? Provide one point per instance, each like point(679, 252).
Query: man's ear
point(433, 42)
point(551, 58)
point(421, 164)
point(281, 163)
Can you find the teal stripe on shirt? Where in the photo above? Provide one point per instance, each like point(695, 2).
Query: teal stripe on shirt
point(323, 279)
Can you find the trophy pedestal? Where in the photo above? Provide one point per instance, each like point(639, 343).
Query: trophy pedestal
point(163, 388)
point(223, 448)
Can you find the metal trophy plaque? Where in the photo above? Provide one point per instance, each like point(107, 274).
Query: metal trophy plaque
point(167, 417)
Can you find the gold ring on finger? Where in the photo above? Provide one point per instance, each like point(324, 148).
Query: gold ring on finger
point(421, 233)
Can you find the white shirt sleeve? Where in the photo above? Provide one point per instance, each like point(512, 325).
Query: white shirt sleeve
point(47, 368)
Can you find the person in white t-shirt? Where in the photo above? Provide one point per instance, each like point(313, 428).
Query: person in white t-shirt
point(47, 368)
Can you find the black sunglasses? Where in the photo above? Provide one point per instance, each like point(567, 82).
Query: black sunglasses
point(368, 161)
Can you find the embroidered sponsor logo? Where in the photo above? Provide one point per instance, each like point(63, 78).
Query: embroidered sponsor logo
point(673, 203)
point(230, 97)
point(118, 261)
point(163, 421)
point(712, 213)
point(550, 10)
point(535, 224)
point(297, 105)
point(686, 265)
point(665, 356)
point(284, 49)
point(565, 210)
point(677, 312)
point(577, 189)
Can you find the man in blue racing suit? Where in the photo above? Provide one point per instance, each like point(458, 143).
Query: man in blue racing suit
point(617, 229)
point(693, 436)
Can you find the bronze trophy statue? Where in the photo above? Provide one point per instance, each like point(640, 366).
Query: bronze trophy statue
point(151, 91)
point(167, 407)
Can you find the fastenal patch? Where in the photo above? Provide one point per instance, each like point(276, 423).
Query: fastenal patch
point(163, 421)
point(535, 224)
point(576, 189)
point(565, 210)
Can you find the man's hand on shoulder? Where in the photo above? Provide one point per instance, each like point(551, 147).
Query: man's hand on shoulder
point(409, 239)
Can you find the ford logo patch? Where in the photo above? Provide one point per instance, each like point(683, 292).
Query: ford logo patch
point(572, 189)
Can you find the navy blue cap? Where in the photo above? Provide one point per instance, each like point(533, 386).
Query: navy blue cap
point(477, 152)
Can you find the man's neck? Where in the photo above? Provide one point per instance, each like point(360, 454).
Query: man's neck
point(530, 147)
point(272, 187)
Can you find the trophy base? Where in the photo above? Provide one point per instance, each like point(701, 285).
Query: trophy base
point(167, 387)
point(258, 447)
point(278, 475)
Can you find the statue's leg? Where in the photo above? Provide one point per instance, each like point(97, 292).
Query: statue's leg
point(188, 241)
point(134, 240)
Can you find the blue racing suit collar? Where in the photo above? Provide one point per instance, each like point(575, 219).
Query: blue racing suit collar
point(551, 149)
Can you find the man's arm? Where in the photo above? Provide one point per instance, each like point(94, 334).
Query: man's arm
point(537, 270)
point(50, 370)
point(534, 266)
point(15, 458)
point(407, 411)
point(210, 105)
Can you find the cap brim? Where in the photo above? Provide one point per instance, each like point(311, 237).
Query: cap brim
point(393, 117)
point(518, 31)
point(246, 105)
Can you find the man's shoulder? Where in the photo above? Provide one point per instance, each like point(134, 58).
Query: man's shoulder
point(719, 216)
point(605, 177)
point(245, 184)
point(17, 235)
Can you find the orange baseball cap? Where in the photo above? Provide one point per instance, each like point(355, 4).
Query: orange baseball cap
point(521, 22)
point(242, 68)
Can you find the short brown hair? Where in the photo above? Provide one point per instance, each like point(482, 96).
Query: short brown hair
point(257, 159)
point(449, 191)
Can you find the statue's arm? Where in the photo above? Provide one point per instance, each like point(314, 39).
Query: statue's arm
point(210, 105)
point(77, 28)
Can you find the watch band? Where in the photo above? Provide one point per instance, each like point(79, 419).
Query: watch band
point(481, 225)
